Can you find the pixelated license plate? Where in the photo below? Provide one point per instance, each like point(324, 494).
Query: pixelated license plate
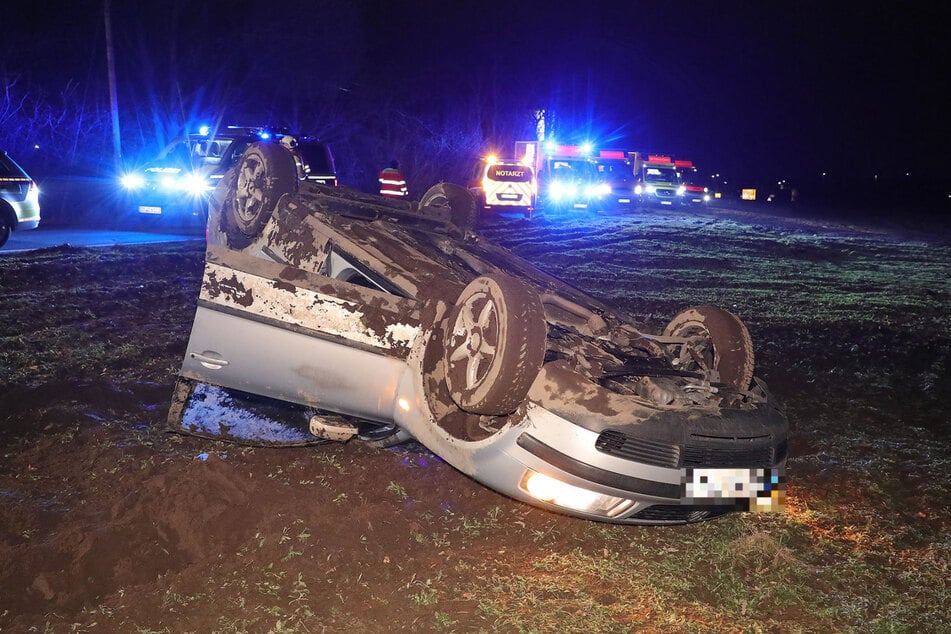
point(146, 209)
point(764, 488)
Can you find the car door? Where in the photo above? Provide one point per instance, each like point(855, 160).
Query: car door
point(266, 328)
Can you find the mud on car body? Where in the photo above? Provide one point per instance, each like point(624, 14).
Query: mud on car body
point(393, 318)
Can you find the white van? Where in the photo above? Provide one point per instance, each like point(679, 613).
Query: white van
point(504, 185)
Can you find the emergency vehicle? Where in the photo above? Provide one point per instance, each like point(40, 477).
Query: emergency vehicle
point(567, 174)
point(656, 181)
point(616, 175)
point(504, 185)
point(695, 192)
point(177, 184)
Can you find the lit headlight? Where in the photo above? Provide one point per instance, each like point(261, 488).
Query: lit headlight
point(706, 198)
point(548, 489)
point(561, 189)
point(593, 191)
point(132, 181)
point(681, 190)
point(638, 190)
point(194, 184)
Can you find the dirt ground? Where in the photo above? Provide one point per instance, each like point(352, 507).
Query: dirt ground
point(109, 523)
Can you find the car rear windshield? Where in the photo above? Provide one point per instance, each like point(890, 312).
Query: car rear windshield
point(509, 173)
point(8, 168)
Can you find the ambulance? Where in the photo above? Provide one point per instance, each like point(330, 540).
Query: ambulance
point(656, 180)
point(695, 192)
point(616, 174)
point(504, 185)
point(567, 174)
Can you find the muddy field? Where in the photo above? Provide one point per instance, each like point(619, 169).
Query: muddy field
point(111, 524)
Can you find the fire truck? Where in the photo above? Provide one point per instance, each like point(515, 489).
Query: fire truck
point(567, 174)
point(656, 181)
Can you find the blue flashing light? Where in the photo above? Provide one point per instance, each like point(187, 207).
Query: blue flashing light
point(550, 146)
point(587, 148)
point(204, 130)
point(264, 135)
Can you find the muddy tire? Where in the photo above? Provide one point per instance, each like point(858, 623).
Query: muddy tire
point(494, 345)
point(458, 200)
point(719, 345)
point(264, 173)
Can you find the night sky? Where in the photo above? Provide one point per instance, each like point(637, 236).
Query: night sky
point(752, 88)
point(755, 86)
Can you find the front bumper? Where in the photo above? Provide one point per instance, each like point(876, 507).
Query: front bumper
point(660, 197)
point(644, 480)
point(162, 205)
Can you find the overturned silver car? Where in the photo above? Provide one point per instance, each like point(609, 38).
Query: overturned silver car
point(391, 321)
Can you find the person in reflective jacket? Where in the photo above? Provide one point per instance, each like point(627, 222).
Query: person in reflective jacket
point(392, 183)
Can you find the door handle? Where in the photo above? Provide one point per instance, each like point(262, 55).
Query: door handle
point(209, 359)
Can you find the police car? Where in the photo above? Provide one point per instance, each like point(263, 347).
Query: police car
point(177, 184)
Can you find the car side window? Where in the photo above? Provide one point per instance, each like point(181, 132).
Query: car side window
point(340, 265)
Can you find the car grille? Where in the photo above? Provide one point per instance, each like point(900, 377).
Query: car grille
point(707, 451)
point(682, 513)
point(700, 451)
point(615, 443)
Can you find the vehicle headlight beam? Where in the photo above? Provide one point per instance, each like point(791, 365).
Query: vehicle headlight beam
point(547, 489)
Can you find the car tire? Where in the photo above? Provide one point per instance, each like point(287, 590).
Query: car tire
point(264, 173)
point(722, 343)
point(494, 345)
point(459, 200)
point(5, 231)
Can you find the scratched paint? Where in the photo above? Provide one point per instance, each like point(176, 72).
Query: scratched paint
point(299, 306)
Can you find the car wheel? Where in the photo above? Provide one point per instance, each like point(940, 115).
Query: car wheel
point(459, 200)
point(494, 345)
point(4, 231)
point(265, 172)
point(718, 345)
